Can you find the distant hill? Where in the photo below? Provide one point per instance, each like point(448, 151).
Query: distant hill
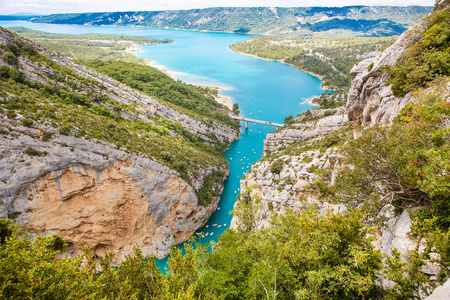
point(294, 21)
point(19, 16)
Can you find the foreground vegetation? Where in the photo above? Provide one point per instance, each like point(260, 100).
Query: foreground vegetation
point(307, 256)
point(88, 46)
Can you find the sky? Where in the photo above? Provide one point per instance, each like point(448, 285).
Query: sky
point(46, 7)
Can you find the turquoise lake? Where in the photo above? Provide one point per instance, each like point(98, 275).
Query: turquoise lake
point(264, 90)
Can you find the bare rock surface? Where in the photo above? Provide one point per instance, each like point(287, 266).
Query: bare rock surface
point(92, 193)
point(370, 99)
point(274, 192)
point(300, 131)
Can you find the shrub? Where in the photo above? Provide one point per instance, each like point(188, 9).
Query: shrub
point(425, 60)
point(11, 114)
point(276, 166)
point(32, 152)
point(46, 136)
point(11, 59)
point(405, 165)
point(27, 122)
point(65, 130)
point(4, 72)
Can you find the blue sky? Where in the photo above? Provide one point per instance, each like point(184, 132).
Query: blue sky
point(63, 6)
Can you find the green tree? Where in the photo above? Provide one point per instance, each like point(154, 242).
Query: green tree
point(306, 256)
point(288, 120)
point(404, 165)
point(425, 60)
point(236, 110)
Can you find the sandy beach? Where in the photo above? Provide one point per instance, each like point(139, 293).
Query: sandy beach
point(224, 100)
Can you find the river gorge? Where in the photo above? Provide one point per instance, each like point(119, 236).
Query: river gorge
point(265, 90)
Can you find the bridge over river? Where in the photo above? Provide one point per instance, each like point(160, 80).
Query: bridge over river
point(246, 120)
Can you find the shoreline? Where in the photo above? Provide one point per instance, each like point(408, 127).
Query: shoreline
point(322, 86)
point(222, 99)
point(311, 101)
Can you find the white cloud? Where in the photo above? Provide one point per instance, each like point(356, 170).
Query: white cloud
point(64, 6)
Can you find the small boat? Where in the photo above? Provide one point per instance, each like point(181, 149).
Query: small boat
point(207, 234)
point(214, 224)
point(218, 208)
point(207, 226)
point(225, 224)
point(219, 226)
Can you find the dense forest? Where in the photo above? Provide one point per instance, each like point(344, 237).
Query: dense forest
point(189, 99)
point(329, 58)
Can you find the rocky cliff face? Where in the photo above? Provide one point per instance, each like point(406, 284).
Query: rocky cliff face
point(370, 99)
point(274, 191)
point(91, 191)
point(116, 91)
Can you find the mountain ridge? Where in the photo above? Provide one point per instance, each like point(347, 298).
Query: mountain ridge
point(281, 21)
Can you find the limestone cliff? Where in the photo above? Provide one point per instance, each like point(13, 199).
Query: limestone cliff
point(94, 194)
point(297, 149)
point(80, 184)
point(370, 98)
point(283, 176)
